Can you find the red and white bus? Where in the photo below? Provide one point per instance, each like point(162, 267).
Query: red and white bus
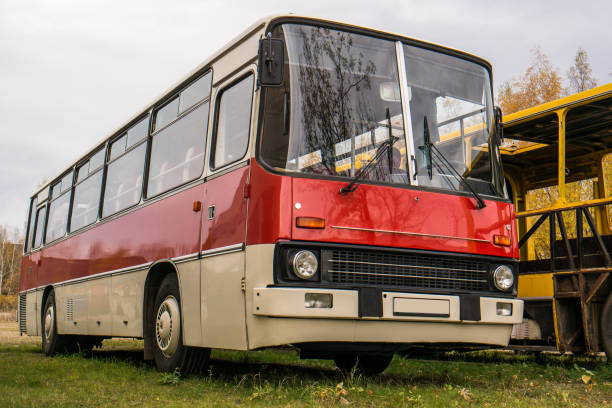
point(313, 183)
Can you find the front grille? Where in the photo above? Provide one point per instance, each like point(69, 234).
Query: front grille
point(22, 314)
point(356, 267)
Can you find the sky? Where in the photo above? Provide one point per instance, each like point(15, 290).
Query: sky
point(71, 72)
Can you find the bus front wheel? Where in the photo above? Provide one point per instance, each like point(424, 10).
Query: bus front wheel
point(169, 351)
point(606, 327)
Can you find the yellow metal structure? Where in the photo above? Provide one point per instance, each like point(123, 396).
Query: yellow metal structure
point(547, 147)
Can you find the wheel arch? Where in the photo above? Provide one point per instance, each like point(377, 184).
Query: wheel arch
point(48, 289)
point(157, 272)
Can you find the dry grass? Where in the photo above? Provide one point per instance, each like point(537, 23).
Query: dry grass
point(116, 375)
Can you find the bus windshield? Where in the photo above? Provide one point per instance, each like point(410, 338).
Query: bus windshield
point(342, 99)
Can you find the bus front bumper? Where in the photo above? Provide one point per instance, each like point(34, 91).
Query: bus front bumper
point(396, 306)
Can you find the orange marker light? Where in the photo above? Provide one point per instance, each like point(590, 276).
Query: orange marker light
point(197, 206)
point(501, 240)
point(309, 222)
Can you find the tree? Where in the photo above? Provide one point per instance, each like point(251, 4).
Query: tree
point(540, 83)
point(580, 75)
point(10, 260)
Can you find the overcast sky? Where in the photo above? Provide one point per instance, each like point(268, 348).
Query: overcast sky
point(73, 71)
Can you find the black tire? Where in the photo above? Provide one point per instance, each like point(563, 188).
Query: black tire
point(605, 327)
point(367, 364)
point(53, 343)
point(166, 325)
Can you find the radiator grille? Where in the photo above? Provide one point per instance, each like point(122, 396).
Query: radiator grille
point(22, 314)
point(405, 270)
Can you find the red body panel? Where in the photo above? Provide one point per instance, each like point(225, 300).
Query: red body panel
point(269, 207)
point(429, 220)
point(400, 210)
point(164, 229)
point(227, 194)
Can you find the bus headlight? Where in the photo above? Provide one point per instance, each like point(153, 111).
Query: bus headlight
point(503, 278)
point(304, 264)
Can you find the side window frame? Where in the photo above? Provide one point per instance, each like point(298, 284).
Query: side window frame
point(70, 192)
point(154, 130)
point(108, 161)
point(29, 232)
point(218, 97)
point(76, 182)
point(41, 209)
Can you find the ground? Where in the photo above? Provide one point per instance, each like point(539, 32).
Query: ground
point(116, 375)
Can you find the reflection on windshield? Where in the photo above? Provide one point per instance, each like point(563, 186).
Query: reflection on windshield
point(341, 87)
point(330, 116)
point(454, 95)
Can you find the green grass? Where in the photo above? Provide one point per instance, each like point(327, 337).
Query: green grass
point(117, 376)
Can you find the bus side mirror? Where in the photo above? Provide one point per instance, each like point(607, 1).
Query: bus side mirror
point(271, 61)
point(499, 126)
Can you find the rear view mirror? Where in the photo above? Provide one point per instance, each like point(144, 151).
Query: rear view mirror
point(271, 61)
point(499, 126)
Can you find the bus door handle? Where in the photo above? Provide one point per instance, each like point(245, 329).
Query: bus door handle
point(211, 212)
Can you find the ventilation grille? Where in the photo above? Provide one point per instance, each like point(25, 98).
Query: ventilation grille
point(69, 310)
point(22, 314)
point(349, 266)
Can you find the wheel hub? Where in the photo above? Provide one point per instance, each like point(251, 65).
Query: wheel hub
point(167, 326)
point(49, 323)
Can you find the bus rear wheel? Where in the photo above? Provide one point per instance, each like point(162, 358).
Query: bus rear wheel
point(168, 349)
point(606, 327)
point(53, 343)
point(368, 364)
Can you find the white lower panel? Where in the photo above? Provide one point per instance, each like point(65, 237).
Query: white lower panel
point(223, 310)
point(126, 303)
point(32, 314)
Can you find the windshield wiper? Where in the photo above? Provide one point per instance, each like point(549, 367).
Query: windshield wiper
point(385, 147)
point(427, 147)
point(431, 148)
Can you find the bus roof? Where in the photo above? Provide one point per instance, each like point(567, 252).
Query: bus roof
point(569, 101)
point(255, 29)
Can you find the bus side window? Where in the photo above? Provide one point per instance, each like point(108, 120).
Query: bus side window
point(31, 220)
point(123, 178)
point(177, 151)
point(40, 226)
point(58, 209)
point(86, 201)
point(233, 122)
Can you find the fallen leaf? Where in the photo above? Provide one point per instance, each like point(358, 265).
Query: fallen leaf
point(586, 378)
point(465, 393)
point(344, 401)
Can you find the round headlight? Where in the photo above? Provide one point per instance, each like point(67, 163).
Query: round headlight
point(503, 278)
point(304, 264)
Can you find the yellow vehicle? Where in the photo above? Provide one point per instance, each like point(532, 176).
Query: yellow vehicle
point(557, 158)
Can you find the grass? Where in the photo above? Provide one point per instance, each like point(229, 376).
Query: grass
point(116, 375)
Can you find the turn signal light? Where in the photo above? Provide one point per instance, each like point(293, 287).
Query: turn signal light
point(501, 240)
point(310, 222)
